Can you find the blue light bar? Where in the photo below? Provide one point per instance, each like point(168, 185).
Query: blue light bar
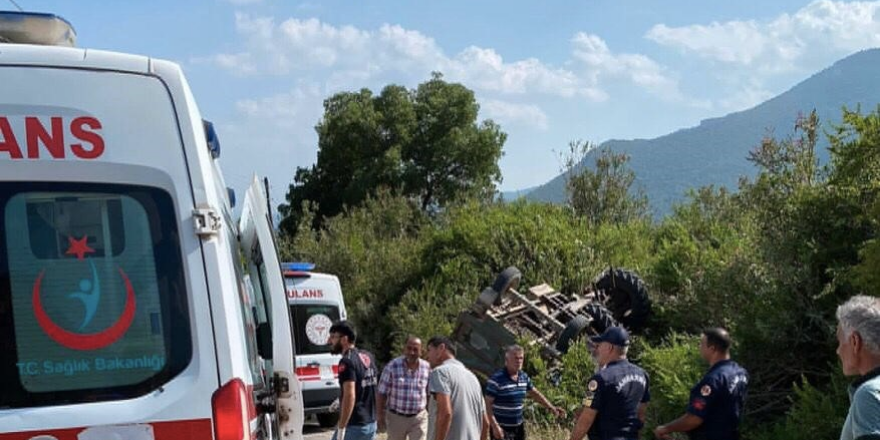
point(298, 266)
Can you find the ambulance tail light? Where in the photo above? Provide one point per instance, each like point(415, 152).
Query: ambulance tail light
point(307, 372)
point(233, 408)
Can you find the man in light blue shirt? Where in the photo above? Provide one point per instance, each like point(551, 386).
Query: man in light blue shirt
point(858, 345)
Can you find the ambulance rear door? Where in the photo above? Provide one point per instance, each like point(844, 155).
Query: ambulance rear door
point(258, 242)
point(104, 306)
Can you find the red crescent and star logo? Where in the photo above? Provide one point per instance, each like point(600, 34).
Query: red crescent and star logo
point(90, 294)
point(365, 359)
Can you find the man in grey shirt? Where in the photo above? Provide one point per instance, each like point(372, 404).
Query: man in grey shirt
point(456, 411)
point(858, 345)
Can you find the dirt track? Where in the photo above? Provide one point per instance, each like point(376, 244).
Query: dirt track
point(314, 432)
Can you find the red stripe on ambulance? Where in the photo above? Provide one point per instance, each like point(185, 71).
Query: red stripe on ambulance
point(181, 429)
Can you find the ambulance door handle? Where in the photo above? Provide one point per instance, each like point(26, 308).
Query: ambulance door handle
point(313, 364)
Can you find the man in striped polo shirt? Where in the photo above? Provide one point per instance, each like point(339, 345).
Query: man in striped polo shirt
point(506, 392)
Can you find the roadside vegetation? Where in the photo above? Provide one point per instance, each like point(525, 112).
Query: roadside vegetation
point(770, 260)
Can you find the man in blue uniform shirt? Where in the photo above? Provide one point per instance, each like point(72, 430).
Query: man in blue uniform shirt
point(716, 402)
point(617, 396)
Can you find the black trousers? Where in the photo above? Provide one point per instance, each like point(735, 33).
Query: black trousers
point(513, 432)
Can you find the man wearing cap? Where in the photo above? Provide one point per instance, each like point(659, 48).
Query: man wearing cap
point(716, 401)
point(617, 395)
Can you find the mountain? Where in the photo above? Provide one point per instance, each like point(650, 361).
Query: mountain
point(516, 194)
point(715, 151)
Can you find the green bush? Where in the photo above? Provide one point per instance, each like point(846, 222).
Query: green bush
point(574, 371)
point(674, 368)
point(817, 412)
point(546, 242)
point(432, 308)
point(770, 262)
point(375, 251)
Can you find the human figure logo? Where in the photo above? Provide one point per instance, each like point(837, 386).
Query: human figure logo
point(89, 293)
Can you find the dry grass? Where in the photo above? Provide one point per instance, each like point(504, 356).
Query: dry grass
point(547, 432)
point(534, 432)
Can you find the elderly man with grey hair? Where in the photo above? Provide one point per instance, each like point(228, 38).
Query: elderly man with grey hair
point(506, 392)
point(858, 345)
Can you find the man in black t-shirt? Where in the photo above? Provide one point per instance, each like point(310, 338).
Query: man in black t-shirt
point(358, 377)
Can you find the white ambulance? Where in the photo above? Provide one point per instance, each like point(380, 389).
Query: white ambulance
point(315, 303)
point(132, 306)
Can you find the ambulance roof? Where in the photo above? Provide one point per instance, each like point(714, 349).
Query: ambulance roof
point(56, 56)
point(309, 275)
point(313, 287)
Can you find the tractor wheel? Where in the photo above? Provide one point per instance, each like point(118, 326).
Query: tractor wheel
point(573, 330)
point(625, 296)
point(508, 279)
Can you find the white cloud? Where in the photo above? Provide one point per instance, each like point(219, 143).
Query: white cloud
point(238, 64)
point(289, 109)
point(345, 54)
point(485, 69)
point(811, 38)
point(273, 135)
point(511, 113)
point(325, 59)
point(600, 62)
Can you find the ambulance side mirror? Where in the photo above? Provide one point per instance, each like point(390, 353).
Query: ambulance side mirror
point(264, 340)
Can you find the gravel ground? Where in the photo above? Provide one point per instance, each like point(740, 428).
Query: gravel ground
point(314, 432)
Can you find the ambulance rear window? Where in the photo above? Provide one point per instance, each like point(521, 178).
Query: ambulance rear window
point(312, 327)
point(92, 299)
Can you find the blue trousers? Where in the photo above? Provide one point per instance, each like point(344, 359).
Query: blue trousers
point(359, 432)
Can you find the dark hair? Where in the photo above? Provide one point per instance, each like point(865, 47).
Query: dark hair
point(343, 328)
point(718, 338)
point(436, 341)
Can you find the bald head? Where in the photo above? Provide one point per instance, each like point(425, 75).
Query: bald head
point(718, 339)
point(412, 351)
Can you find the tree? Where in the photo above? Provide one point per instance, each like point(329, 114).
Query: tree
point(856, 176)
point(604, 194)
point(423, 144)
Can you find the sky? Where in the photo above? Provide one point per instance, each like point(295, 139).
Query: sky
point(549, 72)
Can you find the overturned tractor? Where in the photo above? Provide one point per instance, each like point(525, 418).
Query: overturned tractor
point(550, 319)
